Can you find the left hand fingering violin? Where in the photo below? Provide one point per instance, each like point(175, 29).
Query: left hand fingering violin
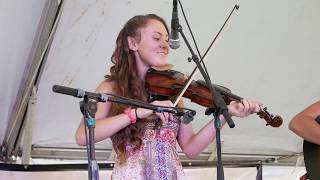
point(167, 83)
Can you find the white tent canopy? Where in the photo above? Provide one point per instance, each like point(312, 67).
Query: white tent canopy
point(268, 51)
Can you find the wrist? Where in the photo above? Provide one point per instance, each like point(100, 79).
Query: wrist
point(230, 110)
point(131, 113)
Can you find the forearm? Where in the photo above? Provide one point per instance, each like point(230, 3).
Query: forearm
point(104, 128)
point(201, 139)
point(306, 127)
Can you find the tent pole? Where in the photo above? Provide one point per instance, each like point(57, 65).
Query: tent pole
point(28, 129)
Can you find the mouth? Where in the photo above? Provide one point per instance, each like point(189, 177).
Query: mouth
point(163, 53)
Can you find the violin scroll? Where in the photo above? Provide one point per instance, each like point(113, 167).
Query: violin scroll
point(274, 121)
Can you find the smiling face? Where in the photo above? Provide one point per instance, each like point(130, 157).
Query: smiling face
point(152, 48)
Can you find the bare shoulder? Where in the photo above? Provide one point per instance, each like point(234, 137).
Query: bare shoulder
point(106, 86)
point(317, 105)
point(313, 110)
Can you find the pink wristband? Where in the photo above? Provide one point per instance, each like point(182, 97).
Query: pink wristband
point(132, 118)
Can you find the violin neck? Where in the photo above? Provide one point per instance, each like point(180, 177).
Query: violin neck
point(232, 96)
point(226, 92)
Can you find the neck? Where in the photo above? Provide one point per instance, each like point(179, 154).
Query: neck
point(142, 68)
point(142, 71)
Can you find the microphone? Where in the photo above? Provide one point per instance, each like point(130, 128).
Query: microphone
point(101, 97)
point(79, 93)
point(174, 41)
point(188, 116)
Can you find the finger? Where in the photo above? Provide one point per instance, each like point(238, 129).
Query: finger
point(162, 103)
point(156, 103)
point(160, 115)
point(170, 116)
point(165, 117)
point(243, 105)
point(144, 113)
point(256, 106)
point(168, 103)
point(251, 108)
point(259, 103)
point(260, 106)
point(233, 102)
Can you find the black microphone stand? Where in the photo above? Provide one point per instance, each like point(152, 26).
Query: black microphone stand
point(89, 107)
point(218, 107)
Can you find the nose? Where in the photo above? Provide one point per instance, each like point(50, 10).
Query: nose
point(165, 44)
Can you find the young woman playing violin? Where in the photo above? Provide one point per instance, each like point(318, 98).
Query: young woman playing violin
point(143, 151)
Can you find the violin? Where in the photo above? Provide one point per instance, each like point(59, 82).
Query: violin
point(168, 83)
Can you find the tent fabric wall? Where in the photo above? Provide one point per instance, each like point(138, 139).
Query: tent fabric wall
point(268, 51)
point(269, 67)
point(43, 16)
point(19, 22)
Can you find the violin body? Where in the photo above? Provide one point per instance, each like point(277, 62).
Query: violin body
point(167, 84)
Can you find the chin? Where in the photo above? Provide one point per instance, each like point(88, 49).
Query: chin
point(160, 62)
point(159, 65)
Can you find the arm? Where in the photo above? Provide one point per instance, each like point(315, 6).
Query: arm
point(305, 125)
point(193, 144)
point(105, 126)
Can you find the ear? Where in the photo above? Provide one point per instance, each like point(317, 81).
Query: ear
point(133, 44)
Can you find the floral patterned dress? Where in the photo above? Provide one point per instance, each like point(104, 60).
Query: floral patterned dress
point(157, 159)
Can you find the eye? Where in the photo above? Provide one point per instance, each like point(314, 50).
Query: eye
point(156, 38)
